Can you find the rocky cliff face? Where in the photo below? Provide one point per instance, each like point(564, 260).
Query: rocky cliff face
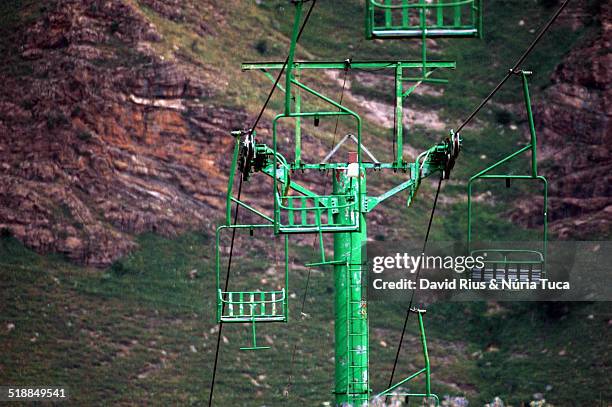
point(101, 138)
point(576, 139)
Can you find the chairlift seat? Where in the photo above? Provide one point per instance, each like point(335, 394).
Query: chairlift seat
point(252, 306)
point(509, 265)
point(389, 19)
point(508, 272)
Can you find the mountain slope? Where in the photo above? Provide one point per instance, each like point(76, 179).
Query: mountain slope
point(114, 115)
point(114, 121)
point(101, 137)
point(574, 124)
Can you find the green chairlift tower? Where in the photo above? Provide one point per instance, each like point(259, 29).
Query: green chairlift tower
point(343, 212)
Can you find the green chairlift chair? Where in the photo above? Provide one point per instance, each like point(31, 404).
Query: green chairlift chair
point(516, 263)
point(251, 306)
point(387, 19)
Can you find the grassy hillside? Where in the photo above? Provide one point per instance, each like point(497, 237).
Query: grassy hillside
point(143, 332)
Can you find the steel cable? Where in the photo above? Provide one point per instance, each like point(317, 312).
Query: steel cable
point(515, 67)
point(259, 116)
point(280, 74)
point(227, 275)
point(463, 124)
point(399, 346)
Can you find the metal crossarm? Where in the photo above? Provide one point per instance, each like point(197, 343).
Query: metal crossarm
point(422, 73)
point(406, 64)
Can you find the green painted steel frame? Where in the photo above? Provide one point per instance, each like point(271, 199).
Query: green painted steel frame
point(424, 166)
point(323, 203)
point(252, 318)
point(423, 30)
point(343, 111)
point(471, 28)
point(295, 67)
point(351, 316)
point(484, 174)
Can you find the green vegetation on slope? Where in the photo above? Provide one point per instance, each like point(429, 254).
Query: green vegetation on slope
point(143, 331)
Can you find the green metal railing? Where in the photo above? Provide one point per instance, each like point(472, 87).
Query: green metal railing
point(249, 306)
point(502, 264)
point(303, 214)
point(422, 19)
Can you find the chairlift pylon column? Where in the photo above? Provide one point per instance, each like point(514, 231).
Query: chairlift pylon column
point(350, 312)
